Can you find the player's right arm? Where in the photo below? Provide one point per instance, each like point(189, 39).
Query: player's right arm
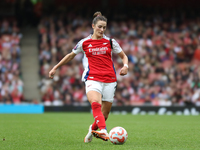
point(65, 60)
point(77, 49)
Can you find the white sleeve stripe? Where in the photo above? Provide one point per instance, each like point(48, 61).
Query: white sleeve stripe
point(116, 46)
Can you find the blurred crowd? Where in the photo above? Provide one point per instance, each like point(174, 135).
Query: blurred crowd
point(163, 52)
point(11, 84)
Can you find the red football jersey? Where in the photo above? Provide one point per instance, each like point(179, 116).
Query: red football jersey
point(97, 60)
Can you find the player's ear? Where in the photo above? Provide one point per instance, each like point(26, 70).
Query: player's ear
point(93, 26)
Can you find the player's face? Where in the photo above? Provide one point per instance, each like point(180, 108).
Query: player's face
point(99, 28)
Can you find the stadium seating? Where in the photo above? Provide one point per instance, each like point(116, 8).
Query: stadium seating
point(163, 57)
point(11, 83)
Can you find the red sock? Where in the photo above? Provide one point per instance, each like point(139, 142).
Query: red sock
point(98, 116)
point(94, 125)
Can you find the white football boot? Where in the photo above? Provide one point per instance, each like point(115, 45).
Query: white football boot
point(89, 136)
point(103, 134)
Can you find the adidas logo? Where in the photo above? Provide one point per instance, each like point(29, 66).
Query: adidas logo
point(90, 45)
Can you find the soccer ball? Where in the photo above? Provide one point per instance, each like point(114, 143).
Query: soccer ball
point(118, 135)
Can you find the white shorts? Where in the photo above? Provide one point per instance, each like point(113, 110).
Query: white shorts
point(107, 90)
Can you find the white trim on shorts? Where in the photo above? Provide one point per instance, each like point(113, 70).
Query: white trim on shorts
point(107, 90)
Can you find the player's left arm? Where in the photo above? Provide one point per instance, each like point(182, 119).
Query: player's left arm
point(124, 69)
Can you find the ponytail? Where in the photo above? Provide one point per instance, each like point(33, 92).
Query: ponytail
point(98, 17)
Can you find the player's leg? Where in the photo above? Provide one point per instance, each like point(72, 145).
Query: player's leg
point(92, 97)
point(93, 91)
point(106, 107)
point(95, 101)
point(108, 98)
point(108, 93)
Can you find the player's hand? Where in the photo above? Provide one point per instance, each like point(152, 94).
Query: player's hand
point(123, 71)
point(51, 73)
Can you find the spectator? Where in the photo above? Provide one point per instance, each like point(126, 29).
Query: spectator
point(11, 85)
point(163, 58)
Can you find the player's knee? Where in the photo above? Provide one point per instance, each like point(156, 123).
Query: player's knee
point(94, 100)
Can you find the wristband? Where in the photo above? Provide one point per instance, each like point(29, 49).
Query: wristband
point(126, 65)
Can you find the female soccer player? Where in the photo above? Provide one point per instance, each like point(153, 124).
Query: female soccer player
point(99, 74)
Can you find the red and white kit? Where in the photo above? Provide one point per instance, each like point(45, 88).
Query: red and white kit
point(97, 60)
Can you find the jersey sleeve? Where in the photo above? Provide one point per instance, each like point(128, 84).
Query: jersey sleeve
point(116, 47)
point(78, 48)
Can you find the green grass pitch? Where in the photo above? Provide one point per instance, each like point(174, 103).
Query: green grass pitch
point(66, 131)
